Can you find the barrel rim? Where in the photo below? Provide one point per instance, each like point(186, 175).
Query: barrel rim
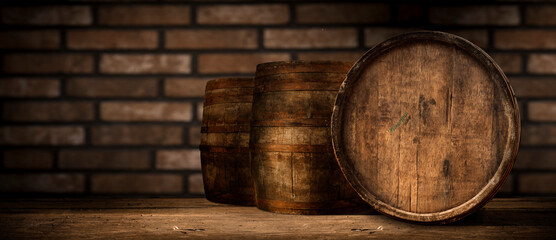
point(230, 82)
point(308, 66)
point(497, 180)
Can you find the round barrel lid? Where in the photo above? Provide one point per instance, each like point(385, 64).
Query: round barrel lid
point(426, 127)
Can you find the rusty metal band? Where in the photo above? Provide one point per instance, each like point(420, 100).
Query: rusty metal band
point(226, 129)
point(298, 114)
point(306, 86)
point(265, 69)
point(220, 149)
point(232, 197)
point(301, 78)
point(299, 82)
point(306, 122)
point(300, 148)
point(345, 204)
point(227, 98)
point(229, 91)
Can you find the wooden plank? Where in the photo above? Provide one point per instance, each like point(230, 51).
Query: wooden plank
point(198, 218)
point(7, 204)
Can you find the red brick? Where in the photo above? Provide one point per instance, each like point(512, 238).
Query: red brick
point(42, 135)
point(544, 134)
point(31, 39)
point(475, 15)
point(543, 15)
point(243, 14)
point(187, 159)
point(112, 87)
point(136, 135)
point(137, 183)
point(195, 135)
point(43, 183)
point(112, 39)
point(185, 87)
point(29, 87)
point(533, 87)
point(542, 111)
point(104, 159)
point(525, 39)
point(212, 39)
point(410, 13)
point(542, 63)
point(195, 184)
point(144, 15)
point(343, 13)
point(310, 38)
point(510, 63)
point(47, 15)
point(146, 111)
point(145, 63)
point(48, 111)
point(236, 62)
point(377, 35)
point(28, 159)
point(478, 37)
point(537, 183)
point(330, 56)
point(537, 159)
point(48, 63)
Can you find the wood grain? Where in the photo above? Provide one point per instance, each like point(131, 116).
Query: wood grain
point(292, 162)
point(225, 141)
point(426, 127)
point(199, 218)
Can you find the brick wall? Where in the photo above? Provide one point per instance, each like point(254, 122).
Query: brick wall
point(105, 97)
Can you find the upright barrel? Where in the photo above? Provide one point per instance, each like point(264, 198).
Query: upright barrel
point(426, 127)
point(225, 141)
point(292, 161)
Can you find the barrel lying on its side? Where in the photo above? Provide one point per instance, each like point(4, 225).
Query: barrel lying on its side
point(225, 141)
point(426, 127)
point(292, 161)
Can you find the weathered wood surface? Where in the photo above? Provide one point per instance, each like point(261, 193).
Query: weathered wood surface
point(292, 162)
point(199, 218)
point(225, 141)
point(426, 127)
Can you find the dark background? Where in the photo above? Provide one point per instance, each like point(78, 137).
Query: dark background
point(105, 97)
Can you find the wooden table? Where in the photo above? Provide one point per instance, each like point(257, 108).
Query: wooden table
point(198, 218)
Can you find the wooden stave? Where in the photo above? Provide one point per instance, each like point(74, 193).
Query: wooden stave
point(302, 66)
point(496, 182)
point(227, 93)
point(266, 72)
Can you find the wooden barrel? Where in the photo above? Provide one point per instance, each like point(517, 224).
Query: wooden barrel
point(225, 141)
point(426, 127)
point(292, 161)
